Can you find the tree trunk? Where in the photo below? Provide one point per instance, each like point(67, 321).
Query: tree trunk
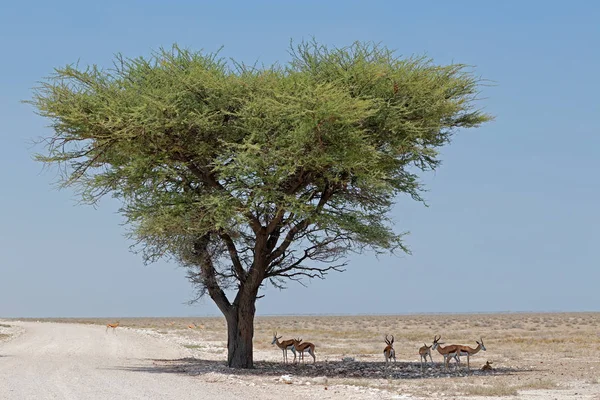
point(240, 332)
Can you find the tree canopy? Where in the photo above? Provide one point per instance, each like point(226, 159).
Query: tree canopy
point(244, 173)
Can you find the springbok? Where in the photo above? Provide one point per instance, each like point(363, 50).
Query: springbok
point(301, 347)
point(284, 346)
point(448, 352)
point(424, 352)
point(469, 351)
point(487, 366)
point(389, 351)
point(113, 326)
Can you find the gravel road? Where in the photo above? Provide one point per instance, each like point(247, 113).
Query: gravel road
point(71, 361)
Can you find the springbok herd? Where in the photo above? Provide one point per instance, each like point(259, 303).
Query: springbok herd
point(453, 351)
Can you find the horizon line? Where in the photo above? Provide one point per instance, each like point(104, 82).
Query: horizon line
point(329, 314)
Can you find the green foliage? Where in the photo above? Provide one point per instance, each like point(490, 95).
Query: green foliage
point(315, 151)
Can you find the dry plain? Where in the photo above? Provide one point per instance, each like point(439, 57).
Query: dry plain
point(535, 356)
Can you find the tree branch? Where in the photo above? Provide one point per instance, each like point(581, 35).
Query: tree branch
point(210, 180)
point(209, 274)
point(290, 186)
point(325, 196)
point(308, 272)
point(319, 252)
point(234, 255)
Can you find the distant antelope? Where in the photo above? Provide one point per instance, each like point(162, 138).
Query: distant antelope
point(424, 352)
point(113, 326)
point(447, 352)
point(301, 347)
point(192, 325)
point(487, 366)
point(389, 351)
point(284, 346)
point(469, 351)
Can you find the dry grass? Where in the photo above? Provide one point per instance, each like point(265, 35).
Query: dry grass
point(500, 389)
point(495, 390)
point(474, 386)
point(538, 385)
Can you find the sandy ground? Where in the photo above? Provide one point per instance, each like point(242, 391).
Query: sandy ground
point(73, 361)
point(535, 357)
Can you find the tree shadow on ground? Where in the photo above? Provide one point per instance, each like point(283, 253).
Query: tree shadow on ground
point(330, 369)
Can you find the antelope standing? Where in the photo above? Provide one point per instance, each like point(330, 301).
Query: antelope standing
point(487, 366)
point(301, 347)
point(284, 346)
point(469, 351)
point(192, 325)
point(113, 326)
point(389, 351)
point(450, 351)
point(424, 352)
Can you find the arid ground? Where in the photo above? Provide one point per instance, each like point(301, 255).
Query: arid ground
point(534, 356)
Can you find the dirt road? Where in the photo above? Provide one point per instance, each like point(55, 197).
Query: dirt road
point(71, 361)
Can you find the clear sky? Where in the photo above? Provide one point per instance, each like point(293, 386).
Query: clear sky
point(513, 211)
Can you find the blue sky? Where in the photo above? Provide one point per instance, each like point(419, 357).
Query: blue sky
point(513, 211)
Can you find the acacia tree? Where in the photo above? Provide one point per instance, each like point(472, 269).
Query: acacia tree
point(250, 175)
